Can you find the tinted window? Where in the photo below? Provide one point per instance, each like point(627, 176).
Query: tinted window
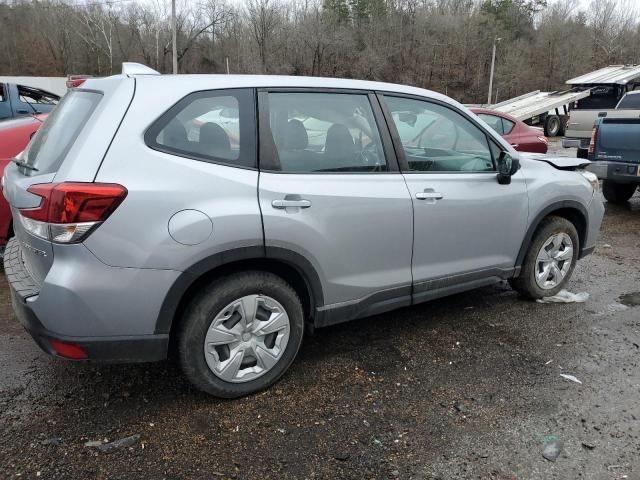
point(444, 141)
point(325, 132)
point(630, 102)
point(619, 135)
point(216, 126)
point(61, 128)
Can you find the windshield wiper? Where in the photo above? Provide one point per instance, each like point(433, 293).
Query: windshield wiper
point(23, 164)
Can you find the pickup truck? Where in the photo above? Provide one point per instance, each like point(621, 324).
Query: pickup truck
point(19, 100)
point(581, 120)
point(614, 151)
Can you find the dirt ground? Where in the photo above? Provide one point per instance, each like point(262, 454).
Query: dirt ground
point(469, 386)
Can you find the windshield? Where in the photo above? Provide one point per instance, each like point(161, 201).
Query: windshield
point(56, 136)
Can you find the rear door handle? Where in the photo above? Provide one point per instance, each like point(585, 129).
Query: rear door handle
point(429, 196)
point(515, 145)
point(282, 204)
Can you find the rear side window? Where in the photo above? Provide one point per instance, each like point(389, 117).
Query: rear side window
point(215, 126)
point(325, 132)
point(629, 102)
point(58, 133)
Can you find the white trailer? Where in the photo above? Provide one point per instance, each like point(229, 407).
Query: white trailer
point(548, 109)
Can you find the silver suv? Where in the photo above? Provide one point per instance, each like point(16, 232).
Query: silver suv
point(225, 216)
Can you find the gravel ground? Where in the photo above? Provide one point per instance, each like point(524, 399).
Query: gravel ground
point(465, 387)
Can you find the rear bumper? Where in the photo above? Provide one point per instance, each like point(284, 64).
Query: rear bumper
point(575, 142)
point(616, 171)
point(41, 318)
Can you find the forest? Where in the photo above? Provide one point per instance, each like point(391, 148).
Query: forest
point(442, 45)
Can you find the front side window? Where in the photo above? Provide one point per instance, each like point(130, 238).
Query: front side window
point(436, 138)
point(216, 126)
point(324, 132)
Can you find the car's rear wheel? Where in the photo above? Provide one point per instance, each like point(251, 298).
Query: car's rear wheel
point(240, 334)
point(550, 259)
point(617, 192)
point(552, 126)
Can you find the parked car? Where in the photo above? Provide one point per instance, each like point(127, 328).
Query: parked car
point(521, 136)
point(604, 102)
point(615, 153)
point(16, 133)
point(19, 100)
point(130, 236)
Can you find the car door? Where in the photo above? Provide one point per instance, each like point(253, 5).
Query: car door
point(468, 229)
point(330, 191)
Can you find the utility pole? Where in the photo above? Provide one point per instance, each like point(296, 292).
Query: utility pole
point(493, 64)
point(174, 47)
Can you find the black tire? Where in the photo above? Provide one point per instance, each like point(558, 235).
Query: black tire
point(582, 153)
point(552, 126)
point(208, 303)
point(525, 283)
point(617, 192)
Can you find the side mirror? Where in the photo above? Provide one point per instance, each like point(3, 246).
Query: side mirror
point(507, 166)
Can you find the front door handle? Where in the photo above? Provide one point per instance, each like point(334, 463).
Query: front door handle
point(515, 145)
point(429, 196)
point(282, 204)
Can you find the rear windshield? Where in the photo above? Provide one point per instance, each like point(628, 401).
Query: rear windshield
point(55, 138)
point(629, 102)
point(621, 135)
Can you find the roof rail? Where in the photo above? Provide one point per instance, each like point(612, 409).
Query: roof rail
point(132, 68)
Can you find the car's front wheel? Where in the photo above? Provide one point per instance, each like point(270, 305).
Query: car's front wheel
point(550, 259)
point(240, 334)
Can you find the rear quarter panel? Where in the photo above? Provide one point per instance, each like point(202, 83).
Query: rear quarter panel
point(160, 185)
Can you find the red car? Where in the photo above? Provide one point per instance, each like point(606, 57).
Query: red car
point(15, 133)
point(14, 137)
point(521, 136)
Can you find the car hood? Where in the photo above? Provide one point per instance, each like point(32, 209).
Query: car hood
point(561, 163)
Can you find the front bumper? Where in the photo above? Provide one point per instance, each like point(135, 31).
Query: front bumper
point(33, 308)
point(616, 171)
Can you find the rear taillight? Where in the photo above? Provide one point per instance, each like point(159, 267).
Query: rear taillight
point(76, 82)
point(68, 212)
point(592, 143)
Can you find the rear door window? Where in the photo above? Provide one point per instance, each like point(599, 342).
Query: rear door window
point(325, 132)
point(215, 126)
point(58, 133)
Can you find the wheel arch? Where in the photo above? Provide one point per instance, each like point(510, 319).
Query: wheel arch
point(573, 211)
point(291, 266)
